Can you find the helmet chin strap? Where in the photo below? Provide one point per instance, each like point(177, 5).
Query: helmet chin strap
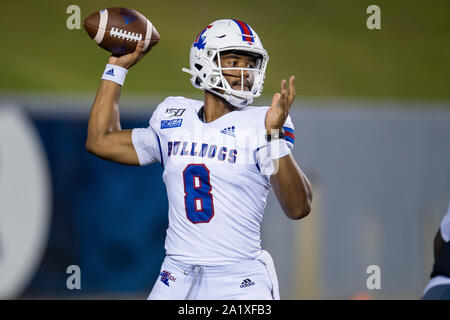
point(233, 100)
point(238, 102)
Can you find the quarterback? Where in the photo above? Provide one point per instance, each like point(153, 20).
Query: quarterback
point(221, 157)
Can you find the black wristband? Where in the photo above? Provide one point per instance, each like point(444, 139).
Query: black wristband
point(279, 135)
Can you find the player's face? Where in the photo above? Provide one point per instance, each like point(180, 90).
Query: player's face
point(238, 60)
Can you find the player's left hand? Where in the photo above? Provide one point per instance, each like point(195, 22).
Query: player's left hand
point(281, 104)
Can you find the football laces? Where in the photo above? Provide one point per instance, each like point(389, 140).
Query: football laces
point(123, 34)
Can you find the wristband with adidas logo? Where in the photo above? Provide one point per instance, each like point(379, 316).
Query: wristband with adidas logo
point(114, 73)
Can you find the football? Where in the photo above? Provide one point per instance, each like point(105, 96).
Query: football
point(118, 30)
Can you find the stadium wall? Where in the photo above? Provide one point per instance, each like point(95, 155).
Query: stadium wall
point(380, 175)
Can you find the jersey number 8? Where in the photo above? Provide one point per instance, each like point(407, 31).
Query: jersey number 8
point(198, 199)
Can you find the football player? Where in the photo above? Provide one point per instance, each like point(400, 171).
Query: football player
point(439, 286)
point(221, 158)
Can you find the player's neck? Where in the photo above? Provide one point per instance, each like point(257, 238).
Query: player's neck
point(215, 107)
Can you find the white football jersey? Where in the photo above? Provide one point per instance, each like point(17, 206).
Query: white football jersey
point(215, 188)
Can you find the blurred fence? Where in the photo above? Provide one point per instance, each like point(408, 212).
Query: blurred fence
point(380, 178)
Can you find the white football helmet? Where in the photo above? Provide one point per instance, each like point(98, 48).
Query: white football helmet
point(220, 36)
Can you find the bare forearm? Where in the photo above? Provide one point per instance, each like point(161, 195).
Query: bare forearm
point(104, 117)
point(292, 188)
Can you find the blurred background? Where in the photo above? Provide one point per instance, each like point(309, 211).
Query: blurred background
point(372, 118)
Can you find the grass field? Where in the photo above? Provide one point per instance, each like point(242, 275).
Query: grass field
point(325, 44)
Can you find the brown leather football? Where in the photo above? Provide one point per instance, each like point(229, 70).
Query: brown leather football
point(118, 30)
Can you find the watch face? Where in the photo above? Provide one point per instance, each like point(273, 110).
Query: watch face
point(279, 135)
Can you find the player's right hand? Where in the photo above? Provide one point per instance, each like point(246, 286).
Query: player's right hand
point(129, 60)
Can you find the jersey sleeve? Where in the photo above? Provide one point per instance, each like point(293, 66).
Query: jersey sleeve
point(289, 132)
point(445, 226)
point(146, 142)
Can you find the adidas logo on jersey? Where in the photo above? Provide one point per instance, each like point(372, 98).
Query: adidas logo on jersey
point(229, 131)
point(247, 283)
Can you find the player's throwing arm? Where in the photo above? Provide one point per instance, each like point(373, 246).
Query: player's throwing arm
point(105, 138)
point(128, 35)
